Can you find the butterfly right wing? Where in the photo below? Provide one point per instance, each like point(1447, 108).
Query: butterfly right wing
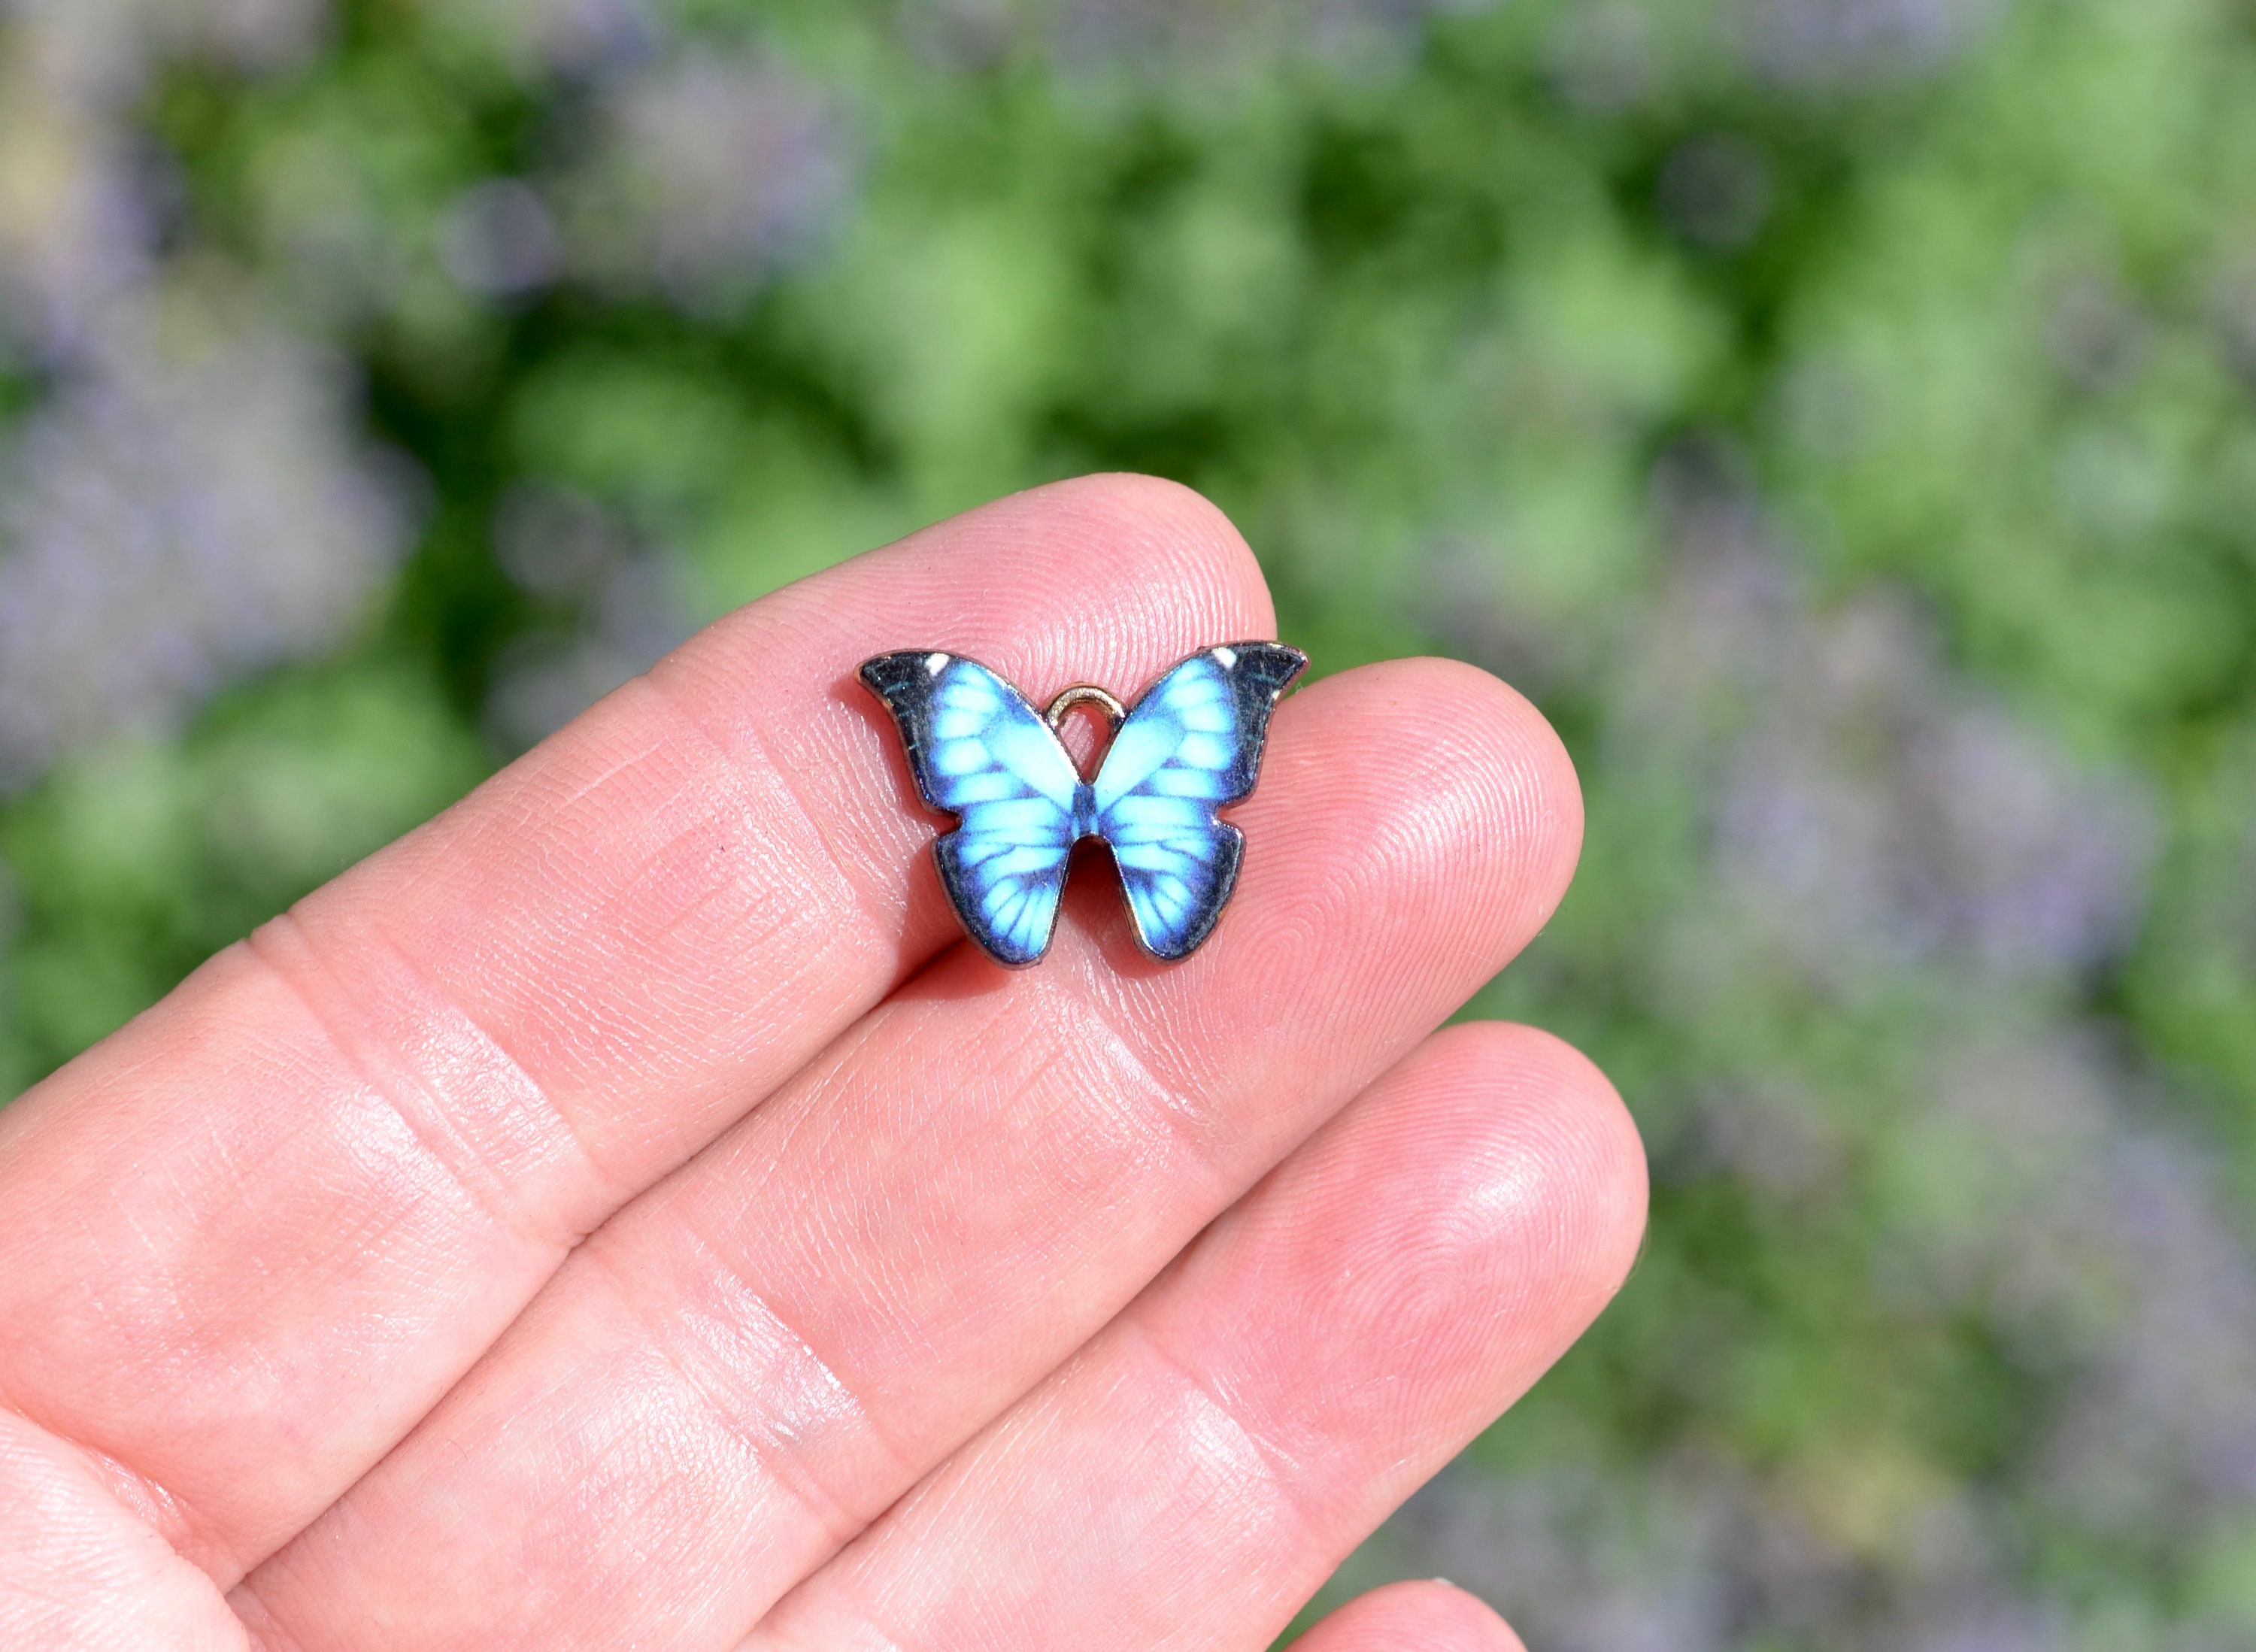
point(1191, 745)
point(978, 750)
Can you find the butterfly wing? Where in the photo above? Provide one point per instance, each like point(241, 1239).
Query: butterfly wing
point(978, 750)
point(1192, 745)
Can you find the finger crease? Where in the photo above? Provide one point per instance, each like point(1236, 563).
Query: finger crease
point(1176, 1111)
point(840, 1518)
point(491, 1190)
point(867, 1636)
point(613, 1191)
point(1278, 1470)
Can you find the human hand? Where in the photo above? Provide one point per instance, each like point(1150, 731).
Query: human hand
point(625, 1213)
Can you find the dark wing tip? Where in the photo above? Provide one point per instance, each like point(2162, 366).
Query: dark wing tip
point(1265, 667)
point(1257, 674)
point(886, 675)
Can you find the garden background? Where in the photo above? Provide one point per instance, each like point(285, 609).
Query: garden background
point(1840, 415)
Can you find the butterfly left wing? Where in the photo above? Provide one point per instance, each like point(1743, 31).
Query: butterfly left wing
point(1191, 745)
point(978, 750)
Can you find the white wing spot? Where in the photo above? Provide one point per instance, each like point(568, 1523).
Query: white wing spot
point(1226, 658)
point(934, 664)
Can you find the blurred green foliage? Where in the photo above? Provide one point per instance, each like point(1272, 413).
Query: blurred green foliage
point(1789, 429)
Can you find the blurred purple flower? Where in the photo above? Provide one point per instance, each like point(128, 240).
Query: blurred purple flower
point(628, 603)
point(2042, 864)
point(76, 222)
point(1827, 42)
point(1580, 1561)
point(1990, 1625)
point(167, 523)
point(77, 215)
point(1774, 1137)
point(568, 37)
point(101, 51)
point(1177, 31)
point(1715, 191)
point(2159, 1433)
point(556, 542)
point(712, 169)
point(498, 240)
point(1874, 820)
point(2041, 1185)
point(1602, 56)
point(1869, 814)
point(1180, 44)
point(1692, 1553)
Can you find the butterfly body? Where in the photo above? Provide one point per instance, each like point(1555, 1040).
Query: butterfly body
point(1190, 745)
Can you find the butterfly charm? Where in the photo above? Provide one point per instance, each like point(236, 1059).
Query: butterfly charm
point(1189, 746)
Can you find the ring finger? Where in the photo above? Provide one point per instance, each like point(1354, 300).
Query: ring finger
point(1195, 1473)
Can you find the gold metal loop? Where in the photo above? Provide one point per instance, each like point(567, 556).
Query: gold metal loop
point(1081, 693)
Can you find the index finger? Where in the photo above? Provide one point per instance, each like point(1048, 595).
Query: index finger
point(254, 1236)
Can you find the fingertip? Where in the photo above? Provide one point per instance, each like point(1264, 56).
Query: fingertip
point(1169, 563)
point(1540, 1092)
point(1148, 523)
point(1473, 781)
point(1452, 1232)
point(1425, 1616)
point(1539, 800)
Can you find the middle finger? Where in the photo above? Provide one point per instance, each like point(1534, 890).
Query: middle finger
point(746, 1365)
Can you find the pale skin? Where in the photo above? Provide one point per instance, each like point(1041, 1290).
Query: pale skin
point(624, 1212)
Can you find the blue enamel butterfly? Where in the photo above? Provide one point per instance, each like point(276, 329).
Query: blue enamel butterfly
point(1189, 746)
